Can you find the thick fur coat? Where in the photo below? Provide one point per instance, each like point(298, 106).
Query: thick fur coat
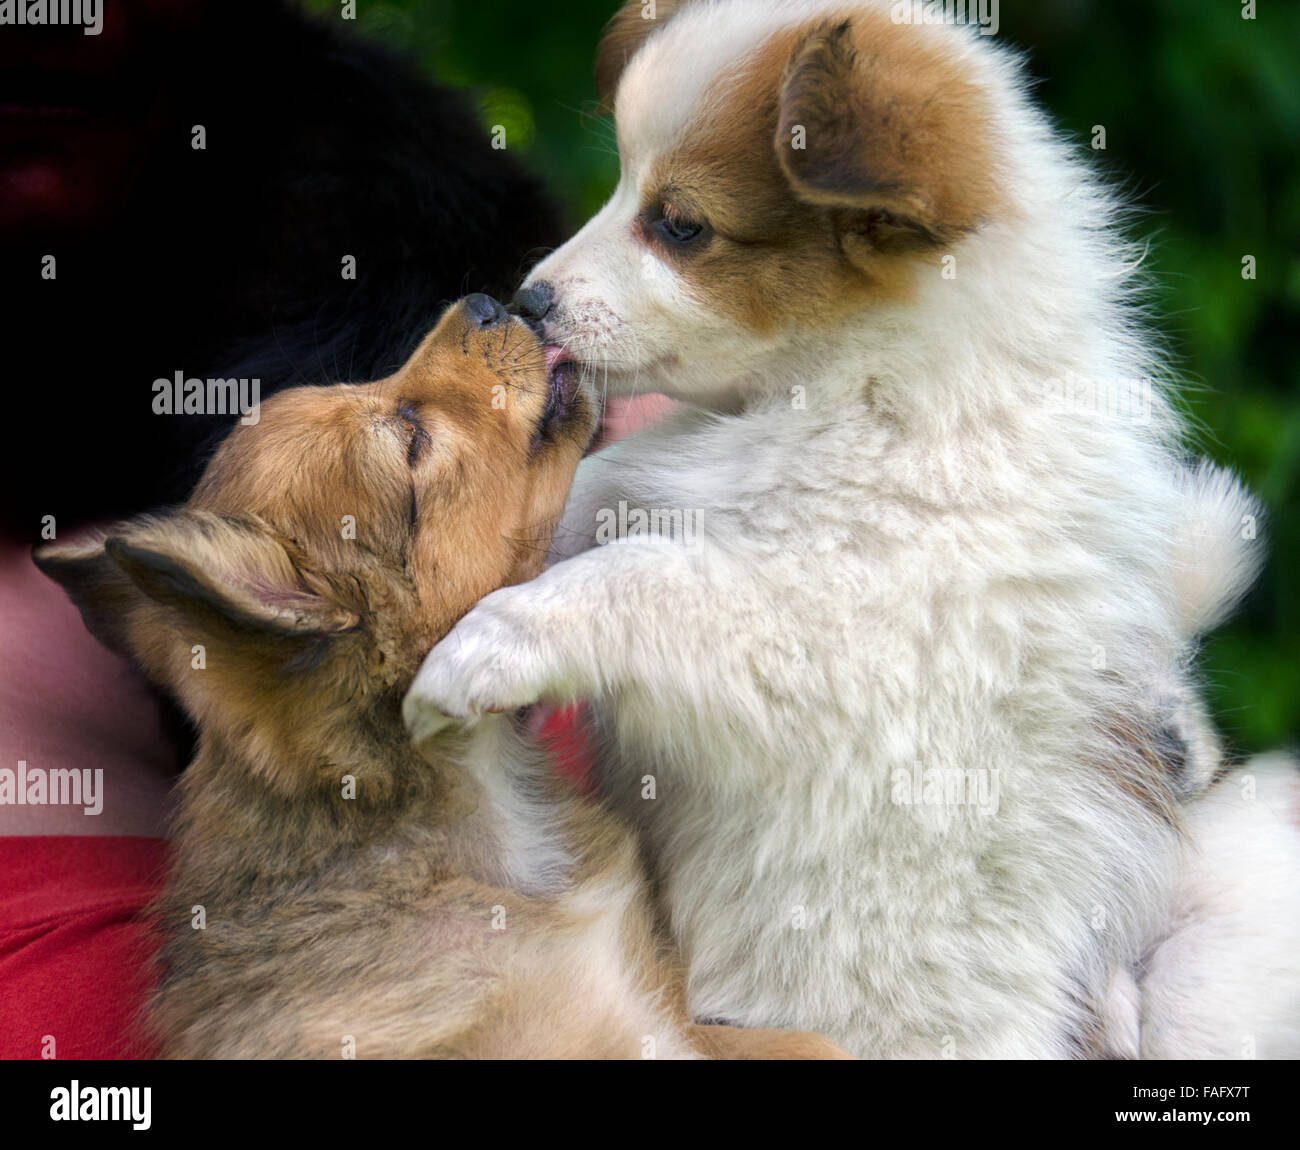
point(896, 682)
point(333, 891)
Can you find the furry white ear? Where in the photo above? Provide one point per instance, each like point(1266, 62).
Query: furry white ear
point(885, 131)
point(626, 31)
point(234, 574)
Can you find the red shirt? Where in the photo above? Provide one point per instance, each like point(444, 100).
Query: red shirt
point(74, 953)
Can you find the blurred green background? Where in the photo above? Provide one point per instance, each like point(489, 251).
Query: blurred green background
point(1202, 115)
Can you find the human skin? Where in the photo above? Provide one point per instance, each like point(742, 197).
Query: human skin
point(66, 702)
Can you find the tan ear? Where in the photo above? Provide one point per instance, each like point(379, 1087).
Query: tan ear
point(233, 574)
point(626, 31)
point(97, 587)
point(875, 123)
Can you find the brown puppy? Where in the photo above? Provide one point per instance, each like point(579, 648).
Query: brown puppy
point(335, 892)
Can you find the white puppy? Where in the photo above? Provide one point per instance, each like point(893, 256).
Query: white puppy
point(888, 646)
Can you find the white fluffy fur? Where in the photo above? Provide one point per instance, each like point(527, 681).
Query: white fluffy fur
point(1222, 984)
point(943, 558)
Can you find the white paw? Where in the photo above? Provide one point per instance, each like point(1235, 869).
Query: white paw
point(485, 664)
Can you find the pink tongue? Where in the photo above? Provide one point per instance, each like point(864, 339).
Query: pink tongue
point(553, 353)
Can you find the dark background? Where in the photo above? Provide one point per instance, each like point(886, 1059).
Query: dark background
point(1202, 115)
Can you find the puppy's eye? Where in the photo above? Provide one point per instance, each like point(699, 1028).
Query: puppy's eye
point(417, 439)
point(676, 229)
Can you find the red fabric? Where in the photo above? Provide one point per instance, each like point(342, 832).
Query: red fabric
point(565, 739)
point(74, 955)
point(74, 952)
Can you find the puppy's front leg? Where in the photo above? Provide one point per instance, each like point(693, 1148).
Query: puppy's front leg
point(630, 610)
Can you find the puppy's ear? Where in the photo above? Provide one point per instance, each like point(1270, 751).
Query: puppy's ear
point(232, 575)
point(876, 125)
point(235, 572)
point(626, 31)
point(95, 584)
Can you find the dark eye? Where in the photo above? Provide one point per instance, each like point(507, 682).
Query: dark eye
point(417, 438)
point(675, 228)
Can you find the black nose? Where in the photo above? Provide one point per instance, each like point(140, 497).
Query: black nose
point(534, 301)
point(484, 310)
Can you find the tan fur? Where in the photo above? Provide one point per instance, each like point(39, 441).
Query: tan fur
point(889, 173)
point(893, 125)
point(288, 605)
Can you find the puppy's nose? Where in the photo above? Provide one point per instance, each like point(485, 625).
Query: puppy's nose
point(533, 302)
point(484, 310)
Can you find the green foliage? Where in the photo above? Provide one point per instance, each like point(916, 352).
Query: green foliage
point(1202, 115)
point(529, 64)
